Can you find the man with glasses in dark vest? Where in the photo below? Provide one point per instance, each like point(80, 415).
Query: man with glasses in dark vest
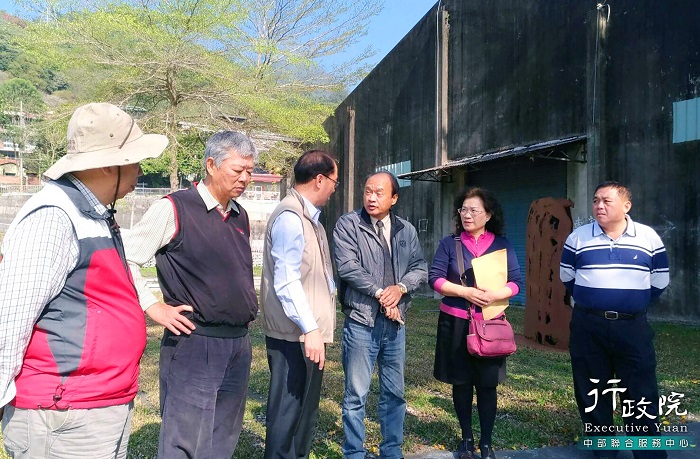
point(201, 241)
point(380, 263)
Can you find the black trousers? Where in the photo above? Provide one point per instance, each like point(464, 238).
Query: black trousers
point(604, 349)
point(292, 402)
point(203, 390)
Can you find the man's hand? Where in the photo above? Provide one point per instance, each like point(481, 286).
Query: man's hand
point(390, 296)
point(393, 314)
point(171, 317)
point(315, 348)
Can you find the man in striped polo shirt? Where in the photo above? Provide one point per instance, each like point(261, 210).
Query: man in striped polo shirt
point(614, 268)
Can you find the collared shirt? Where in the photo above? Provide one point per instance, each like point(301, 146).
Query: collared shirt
point(477, 246)
point(155, 230)
point(386, 230)
point(622, 274)
point(38, 255)
point(287, 250)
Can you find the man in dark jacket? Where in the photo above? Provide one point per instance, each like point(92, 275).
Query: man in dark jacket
point(380, 262)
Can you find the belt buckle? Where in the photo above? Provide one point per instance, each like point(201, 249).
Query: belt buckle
point(611, 315)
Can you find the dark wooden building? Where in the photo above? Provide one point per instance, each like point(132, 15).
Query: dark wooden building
point(531, 99)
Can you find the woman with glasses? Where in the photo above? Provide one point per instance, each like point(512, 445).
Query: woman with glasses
point(479, 230)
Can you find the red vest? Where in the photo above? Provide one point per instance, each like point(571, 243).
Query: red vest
point(85, 348)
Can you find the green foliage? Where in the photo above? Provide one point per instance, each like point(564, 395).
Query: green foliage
point(18, 93)
point(8, 52)
point(295, 116)
point(196, 63)
point(43, 77)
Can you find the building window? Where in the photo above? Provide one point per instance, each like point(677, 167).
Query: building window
point(403, 167)
point(9, 170)
point(686, 120)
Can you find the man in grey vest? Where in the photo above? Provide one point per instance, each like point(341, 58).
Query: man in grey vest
point(297, 297)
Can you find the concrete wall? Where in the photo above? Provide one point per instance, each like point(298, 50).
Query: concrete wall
point(513, 72)
point(133, 206)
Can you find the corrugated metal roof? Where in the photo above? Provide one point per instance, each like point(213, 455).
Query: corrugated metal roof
point(436, 173)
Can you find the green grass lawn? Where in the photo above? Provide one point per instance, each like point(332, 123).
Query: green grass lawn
point(535, 406)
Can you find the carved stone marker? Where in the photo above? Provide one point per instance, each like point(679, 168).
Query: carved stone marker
point(547, 305)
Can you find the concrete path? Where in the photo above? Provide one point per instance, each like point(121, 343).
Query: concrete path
point(569, 452)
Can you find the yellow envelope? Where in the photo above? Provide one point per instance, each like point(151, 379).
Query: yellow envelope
point(491, 272)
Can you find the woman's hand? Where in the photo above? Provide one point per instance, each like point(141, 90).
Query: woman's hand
point(476, 296)
point(491, 295)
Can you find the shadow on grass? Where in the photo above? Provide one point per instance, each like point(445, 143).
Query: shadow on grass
point(536, 406)
point(143, 442)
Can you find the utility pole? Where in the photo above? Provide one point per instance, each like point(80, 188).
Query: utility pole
point(23, 135)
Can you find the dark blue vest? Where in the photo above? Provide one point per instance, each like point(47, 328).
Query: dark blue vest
point(209, 266)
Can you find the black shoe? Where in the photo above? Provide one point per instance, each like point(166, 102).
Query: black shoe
point(487, 452)
point(466, 449)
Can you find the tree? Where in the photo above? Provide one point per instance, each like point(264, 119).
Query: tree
point(197, 62)
point(49, 134)
point(150, 55)
point(284, 39)
point(19, 99)
point(8, 52)
point(19, 94)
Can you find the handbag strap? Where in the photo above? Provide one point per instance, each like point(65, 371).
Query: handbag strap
point(460, 267)
point(460, 259)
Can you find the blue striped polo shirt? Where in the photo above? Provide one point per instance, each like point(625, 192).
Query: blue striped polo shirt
point(621, 275)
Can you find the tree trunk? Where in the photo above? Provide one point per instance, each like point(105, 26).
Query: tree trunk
point(171, 127)
point(172, 168)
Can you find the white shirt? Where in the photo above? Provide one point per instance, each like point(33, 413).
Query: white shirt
point(287, 249)
point(386, 230)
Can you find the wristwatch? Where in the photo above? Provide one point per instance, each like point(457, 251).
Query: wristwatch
point(402, 288)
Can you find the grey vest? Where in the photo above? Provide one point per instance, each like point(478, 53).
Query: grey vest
point(315, 266)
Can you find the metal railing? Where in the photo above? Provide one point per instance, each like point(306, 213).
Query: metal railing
point(257, 195)
point(251, 195)
point(17, 188)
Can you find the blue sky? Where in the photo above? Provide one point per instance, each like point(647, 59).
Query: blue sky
point(386, 29)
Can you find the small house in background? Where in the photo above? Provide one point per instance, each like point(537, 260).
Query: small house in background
point(11, 177)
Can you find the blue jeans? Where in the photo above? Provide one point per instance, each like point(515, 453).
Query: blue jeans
point(362, 346)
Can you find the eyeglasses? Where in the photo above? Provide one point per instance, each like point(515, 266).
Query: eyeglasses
point(474, 212)
point(336, 183)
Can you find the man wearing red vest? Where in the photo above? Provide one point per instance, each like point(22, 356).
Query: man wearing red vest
point(71, 329)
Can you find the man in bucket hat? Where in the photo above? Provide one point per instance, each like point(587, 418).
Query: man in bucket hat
point(71, 328)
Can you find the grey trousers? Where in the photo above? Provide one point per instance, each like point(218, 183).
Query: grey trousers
point(97, 433)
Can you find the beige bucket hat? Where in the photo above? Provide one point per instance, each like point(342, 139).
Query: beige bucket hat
point(102, 135)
